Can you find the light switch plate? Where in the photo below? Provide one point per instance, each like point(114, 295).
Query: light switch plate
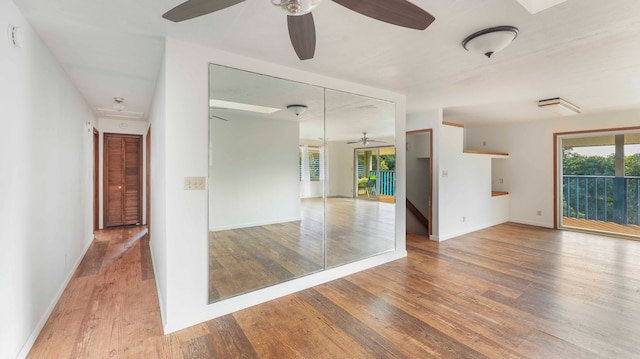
point(195, 183)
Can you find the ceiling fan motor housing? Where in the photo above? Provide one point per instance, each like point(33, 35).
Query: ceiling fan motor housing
point(296, 7)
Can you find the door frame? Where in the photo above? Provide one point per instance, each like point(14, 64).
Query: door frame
point(96, 179)
point(148, 181)
point(557, 167)
point(429, 205)
point(355, 170)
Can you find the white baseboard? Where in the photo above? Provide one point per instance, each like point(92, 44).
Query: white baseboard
point(155, 280)
point(531, 223)
point(26, 348)
point(465, 231)
point(254, 224)
point(259, 296)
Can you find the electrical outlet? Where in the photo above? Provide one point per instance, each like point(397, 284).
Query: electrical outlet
point(501, 181)
point(484, 143)
point(445, 173)
point(539, 213)
point(194, 183)
point(65, 260)
point(464, 219)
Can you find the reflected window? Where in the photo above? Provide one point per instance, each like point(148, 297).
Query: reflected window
point(309, 162)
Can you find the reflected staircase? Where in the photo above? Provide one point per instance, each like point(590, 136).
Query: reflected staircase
point(416, 212)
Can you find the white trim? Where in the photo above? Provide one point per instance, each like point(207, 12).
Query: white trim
point(445, 237)
point(155, 271)
point(26, 348)
point(531, 223)
point(254, 224)
point(280, 290)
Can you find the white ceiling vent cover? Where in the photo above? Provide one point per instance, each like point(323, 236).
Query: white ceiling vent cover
point(559, 106)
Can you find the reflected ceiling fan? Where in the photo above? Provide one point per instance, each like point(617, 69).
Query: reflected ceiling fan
point(302, 31)
point(364, 140)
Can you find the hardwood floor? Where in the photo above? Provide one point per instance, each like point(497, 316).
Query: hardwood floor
point(246, 259)
point(510, 291)
point(611, 227)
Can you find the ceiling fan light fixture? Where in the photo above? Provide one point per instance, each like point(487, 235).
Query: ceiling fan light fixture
point(491, 40)
point(297, 109)
point(118, 104)
point(296, 7)
point(559, 106)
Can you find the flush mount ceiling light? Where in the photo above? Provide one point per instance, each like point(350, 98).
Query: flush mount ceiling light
point(559, 106)
point(491, 40)
point(118, 104)
point(228, 105)
point(297, 109)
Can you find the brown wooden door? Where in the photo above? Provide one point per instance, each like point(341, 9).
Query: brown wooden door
point(123, 180)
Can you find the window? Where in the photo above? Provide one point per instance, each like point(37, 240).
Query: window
point(311, 163)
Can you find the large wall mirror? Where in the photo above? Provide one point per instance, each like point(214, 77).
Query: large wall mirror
point(295, 186)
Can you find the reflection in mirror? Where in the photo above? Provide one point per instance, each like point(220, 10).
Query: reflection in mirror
point(265, 181)
point(360, 203)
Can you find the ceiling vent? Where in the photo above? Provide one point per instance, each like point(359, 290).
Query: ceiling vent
point(559, 106)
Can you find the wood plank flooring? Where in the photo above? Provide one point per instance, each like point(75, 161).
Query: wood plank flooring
point(510, 291)
point(246, 259)
point(381, 198)
point(611, 227)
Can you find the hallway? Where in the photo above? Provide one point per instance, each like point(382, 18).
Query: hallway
point(110, 307)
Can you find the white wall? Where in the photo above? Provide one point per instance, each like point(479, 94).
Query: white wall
point(158, 175)
point(127, 127)
point(46, 184)
point(184, 290)
point(341, 172)
point(462, 201)
point(254, 173)
point(528, 173)
point(465, 202)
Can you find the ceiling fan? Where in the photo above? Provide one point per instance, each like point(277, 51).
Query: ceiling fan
point(302, 30)
point(364, 140)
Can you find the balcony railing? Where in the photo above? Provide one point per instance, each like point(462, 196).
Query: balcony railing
point(602, 198)
point(386, 183)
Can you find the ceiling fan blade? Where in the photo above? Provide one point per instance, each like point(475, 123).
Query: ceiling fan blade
point(396, 12)
point(352, 142)
point(302, 32)
point(194, 8)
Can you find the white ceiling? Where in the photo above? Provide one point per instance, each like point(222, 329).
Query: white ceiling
point(585, 51)
point(339, 116)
